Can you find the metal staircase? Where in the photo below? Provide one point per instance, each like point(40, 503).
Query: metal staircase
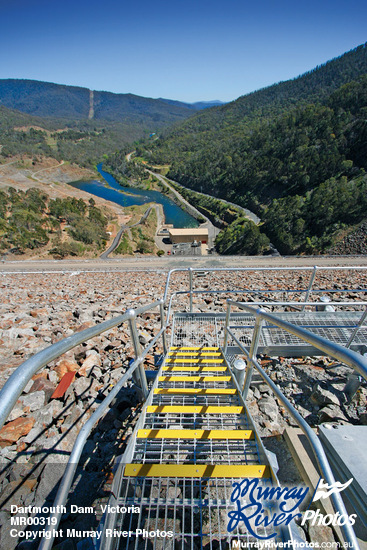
point(195, 444)
point(194, 441)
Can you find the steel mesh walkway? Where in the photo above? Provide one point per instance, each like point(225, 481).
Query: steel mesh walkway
point(195, 439)
point(337, 326)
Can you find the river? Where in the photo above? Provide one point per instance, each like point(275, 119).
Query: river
point(128, 196)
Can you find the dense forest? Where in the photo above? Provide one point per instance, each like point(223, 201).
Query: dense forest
point(30, 220)
point(66, 128)
point(295, 153)
point(83, 142)
point(46, 99)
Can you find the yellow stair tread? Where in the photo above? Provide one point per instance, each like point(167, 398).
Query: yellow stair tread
point(195, 409)
point(194, 354)
point(148, 433)
point(194, 378)
point(194, 348)
point(197, 391)
point(171, 361)
point(198, 470)
point(168, 368)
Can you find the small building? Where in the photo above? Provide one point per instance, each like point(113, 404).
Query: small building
point(189, 235)
point(164, 230)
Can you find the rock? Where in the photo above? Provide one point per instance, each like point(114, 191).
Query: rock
point(264, 388)
point(321, 395)
point(46, 490)
point(320, 534)
point(6, 455)
point(53, 377)
point(81, 386)
point(28, 387)
point(17, 491)
point(33, 401)
point(42, 384)
point(49, 413)
point(93, 359)
point(84, 326)
point(268, 406)
point(16, 412)
point(14, 430)
point(6, 541)
point(64, 366)
point(331, 413)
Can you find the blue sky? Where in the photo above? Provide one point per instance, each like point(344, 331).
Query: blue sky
point(186, 50)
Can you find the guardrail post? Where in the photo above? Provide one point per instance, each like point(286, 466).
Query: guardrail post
point(226, 326)
point(164, 339)
point(140, 379)
point(313, 275)
point(252, 355)
point(354, 333)
point(191, 286)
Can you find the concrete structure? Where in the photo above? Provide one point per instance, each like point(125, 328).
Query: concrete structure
point(189, 235)
point(163, 231)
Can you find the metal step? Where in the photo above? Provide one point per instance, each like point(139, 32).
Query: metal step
point(194, 440)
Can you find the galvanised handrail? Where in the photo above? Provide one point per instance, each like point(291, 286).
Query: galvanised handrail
point(279, 303)
point(351, 358)
point(67, 479)
point(313, 269)
point(19, 379)
point(13, 388)
point(345, 355)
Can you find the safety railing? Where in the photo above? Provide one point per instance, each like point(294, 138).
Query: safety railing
point(347, 356)
point(13, 388)
point(19, 379)
point(305, 291)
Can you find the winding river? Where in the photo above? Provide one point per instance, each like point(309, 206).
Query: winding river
point(128, 196)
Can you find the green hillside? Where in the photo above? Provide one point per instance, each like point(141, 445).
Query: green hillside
point(280, 152)
point(92, 125)
point(46, 99)
point(221, 126)
point(83, 142)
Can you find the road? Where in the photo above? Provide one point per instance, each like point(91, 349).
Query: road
point(212, 230)
point(153, 263)
point(123, 228)
point(33, 174)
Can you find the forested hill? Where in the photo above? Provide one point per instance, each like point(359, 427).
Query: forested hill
point(46, 99)
point(228, 122)
point(76, 125)
point(295, 153)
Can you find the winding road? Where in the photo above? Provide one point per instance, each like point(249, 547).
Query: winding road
point(123, 228)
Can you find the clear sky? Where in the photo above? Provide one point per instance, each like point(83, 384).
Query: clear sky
point(190, 50)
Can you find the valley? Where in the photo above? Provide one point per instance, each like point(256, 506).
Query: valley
point(294, 154)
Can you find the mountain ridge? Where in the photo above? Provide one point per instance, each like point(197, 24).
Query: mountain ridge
point(47, 99)
point(294, 153)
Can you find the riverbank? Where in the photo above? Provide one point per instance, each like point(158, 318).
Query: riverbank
point(53, 178)
point(58, 180)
